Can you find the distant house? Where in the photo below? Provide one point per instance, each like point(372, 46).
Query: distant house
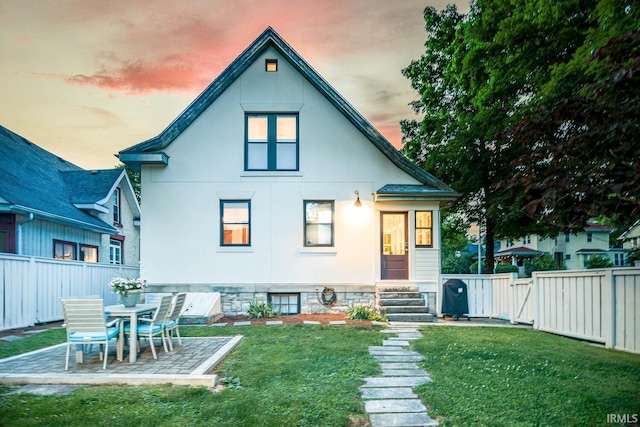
point(271, 186)
point(571, 249)
point(631, 239)
point(54, 209)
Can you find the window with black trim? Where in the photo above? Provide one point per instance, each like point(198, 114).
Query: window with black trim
point(271, 65)
point(235, 222)
point(424, 229)
point(65, 250)
point(88, 253)
point(271, 142)
point(318, 223)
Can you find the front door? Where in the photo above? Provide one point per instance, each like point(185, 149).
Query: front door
point(395, 247)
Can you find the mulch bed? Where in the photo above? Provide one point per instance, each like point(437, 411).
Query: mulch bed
point(296, 319)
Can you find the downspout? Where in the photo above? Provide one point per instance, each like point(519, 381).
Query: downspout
point(29, 219)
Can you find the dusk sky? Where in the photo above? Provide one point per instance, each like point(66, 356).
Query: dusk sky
point(85, 79)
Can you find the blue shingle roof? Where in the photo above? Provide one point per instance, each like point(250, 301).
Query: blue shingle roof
point(141, 153)
point(32, 181)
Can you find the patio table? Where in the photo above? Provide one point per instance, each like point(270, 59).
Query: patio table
point(119, 310)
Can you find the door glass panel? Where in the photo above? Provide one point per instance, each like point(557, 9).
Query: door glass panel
point(393, 234)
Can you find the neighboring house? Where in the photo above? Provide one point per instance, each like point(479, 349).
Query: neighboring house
point(571, 249)
point(271, 186)
point(51, 208)
point(631, 240)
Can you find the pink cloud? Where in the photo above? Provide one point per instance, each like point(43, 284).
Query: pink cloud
point(138, 77)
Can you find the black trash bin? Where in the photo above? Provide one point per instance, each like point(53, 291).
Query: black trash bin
point(455, 301)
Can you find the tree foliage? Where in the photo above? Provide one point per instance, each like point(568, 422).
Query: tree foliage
point(479, 74)
point(455, 258)
point(134, 177)
point(582, 155)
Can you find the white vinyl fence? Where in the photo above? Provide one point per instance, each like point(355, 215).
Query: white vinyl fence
point(32, 287)
point(596, 305)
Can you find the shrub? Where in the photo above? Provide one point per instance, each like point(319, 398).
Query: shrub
point(598, 261)
point(542, 263)
point(506, 268)
point(259, 309)
point(366, 312)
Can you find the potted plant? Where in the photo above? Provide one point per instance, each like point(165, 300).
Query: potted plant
point(127, 289)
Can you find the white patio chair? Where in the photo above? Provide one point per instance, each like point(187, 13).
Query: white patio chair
point(172, 322)
point(149, 328)
point(85, 322)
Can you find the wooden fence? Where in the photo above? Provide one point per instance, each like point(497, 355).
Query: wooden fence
point(32, 287)
point(596, 305)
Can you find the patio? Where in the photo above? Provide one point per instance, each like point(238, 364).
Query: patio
point(189, 364)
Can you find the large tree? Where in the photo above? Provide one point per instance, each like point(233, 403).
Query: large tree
point(581, 150)
point(481, 73)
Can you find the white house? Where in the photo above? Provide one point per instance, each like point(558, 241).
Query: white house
point(572, 250)
point(54, 209)
point(271, 186)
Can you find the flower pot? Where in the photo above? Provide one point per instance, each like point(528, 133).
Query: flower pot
point(130, 299)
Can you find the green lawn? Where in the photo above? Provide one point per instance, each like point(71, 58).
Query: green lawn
point(304, 375)
point(297, 375)
point(522, 377)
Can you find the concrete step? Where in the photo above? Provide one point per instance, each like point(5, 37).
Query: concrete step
point(404, 301)
point(406, 309)
point(398, 294)
point(396, 288)
point(410, 317)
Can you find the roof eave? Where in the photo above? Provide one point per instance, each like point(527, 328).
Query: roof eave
point(136, 159)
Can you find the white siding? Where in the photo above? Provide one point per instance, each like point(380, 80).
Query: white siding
point(181, 229)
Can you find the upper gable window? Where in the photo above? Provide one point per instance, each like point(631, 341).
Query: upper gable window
point(271, 65)
point(271, 142)
point(116, 206)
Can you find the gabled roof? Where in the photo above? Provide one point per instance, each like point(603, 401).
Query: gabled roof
point(35, 181)
point(520, 251)
point(149, 152)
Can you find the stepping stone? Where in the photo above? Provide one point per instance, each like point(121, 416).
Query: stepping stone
point(388, 393)
point(395, 343)
point(274, 322)
point(310, 322)
point(390, 351)
point(33, 331)
point(246, 323)
point(395, 381)
point(407, 358)
point(397, 420)
point(403, 373)
point(218, 324)
point(399, 331)
point(338, 322)
point(394, 405)
point(384, 366)
point(11, 338)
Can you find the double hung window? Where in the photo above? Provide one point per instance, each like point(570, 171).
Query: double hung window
point(271, 142)
point(318, 223)
point(235, 223)
point(424, 229)
point(115, 251)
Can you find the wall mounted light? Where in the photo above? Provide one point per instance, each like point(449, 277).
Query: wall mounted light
point(357, 202)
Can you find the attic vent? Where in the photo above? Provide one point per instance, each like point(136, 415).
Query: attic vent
point(271, 65)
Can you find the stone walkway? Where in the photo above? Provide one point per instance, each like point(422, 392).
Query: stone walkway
point(389, 399)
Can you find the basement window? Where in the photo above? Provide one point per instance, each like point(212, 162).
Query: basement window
point(271, 65)
point(285, 303)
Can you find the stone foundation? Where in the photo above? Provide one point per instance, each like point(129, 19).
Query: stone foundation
point(237, 303)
